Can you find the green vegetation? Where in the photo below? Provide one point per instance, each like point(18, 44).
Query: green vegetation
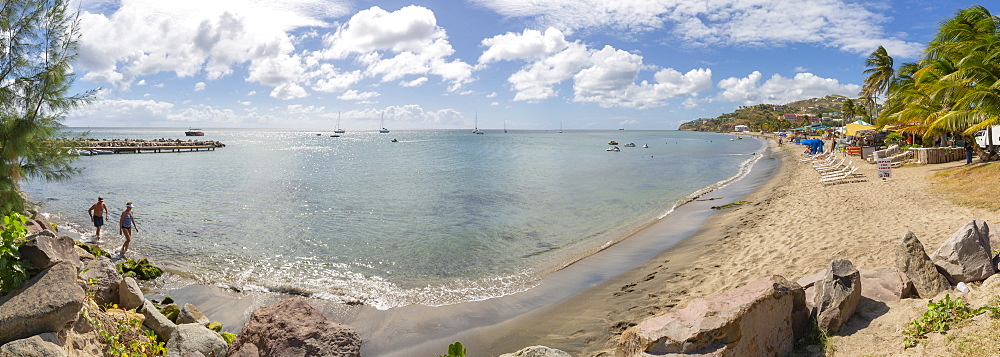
point(766, 117)
point(455, 350)
point(229, 337)
point(121, 334)
point(941, 316)
point(139, 269)
point(814, 336)
point(93, 249)
point(38, 49)
point(13, 272)
point(952, 90)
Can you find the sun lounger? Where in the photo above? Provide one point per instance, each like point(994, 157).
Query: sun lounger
point(829, 165)
point(826, 162)
point(841, 176)
point(838, 172)
point(840, 167)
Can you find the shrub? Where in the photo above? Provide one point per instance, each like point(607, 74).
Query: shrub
point(139, 269)
point(13, 272)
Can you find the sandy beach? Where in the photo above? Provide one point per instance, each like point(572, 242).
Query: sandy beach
point(792, 226)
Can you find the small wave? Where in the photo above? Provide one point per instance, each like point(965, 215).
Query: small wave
point(742, 171)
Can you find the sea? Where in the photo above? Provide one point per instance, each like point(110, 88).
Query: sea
point(438, 217)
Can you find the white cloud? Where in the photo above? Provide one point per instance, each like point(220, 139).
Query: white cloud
point(535, 82)
point(849, 26)
point(141, 83)
point(492, 95)
point(355, 95)
point(610, 82)
point(780, 90)
point(289, 91)
point(200, 86)
point(530, 44)
point(149, 110)
point(414, 83)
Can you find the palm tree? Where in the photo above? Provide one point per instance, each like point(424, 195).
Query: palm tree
point(847, 109)
point(880, 74)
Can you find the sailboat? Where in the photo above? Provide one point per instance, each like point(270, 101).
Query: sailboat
point(339, 130)
point(560, 127)
point(505, 126)
point(382, 124)
point(476, 130)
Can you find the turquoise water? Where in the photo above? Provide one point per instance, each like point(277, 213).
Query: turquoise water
point(439, 217)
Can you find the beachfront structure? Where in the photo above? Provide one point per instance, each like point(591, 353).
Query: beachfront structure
point(742, 127)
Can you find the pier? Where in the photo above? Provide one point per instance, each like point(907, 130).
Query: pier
point(118, 146)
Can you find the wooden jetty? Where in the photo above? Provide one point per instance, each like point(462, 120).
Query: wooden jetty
point(118, 146)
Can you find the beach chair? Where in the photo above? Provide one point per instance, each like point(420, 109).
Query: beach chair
point(838, 172)
point(830, 164)
point(826, 162)
point(840, 167)
point(840, 176)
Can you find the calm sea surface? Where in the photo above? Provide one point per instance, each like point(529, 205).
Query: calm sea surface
point(439, 217)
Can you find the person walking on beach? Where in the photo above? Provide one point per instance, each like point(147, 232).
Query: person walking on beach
point(126, 223)
point(968, 153)
point(97, 212)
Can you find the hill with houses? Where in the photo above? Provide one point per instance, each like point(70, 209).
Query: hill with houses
point(773, 117)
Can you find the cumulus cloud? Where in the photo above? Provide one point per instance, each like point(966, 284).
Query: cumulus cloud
point(780, 90)
point(607, 76)
point(355, 95)
point(848, 26)
point(200, 86)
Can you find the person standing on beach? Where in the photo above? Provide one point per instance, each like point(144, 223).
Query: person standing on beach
point(968, 152)
point(126, 223)
point(96, 213)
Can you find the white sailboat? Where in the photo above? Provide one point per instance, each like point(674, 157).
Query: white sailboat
point(560, 127)
point(382, 124)
point(505, 126)
point(339, 130)
point(475, 129)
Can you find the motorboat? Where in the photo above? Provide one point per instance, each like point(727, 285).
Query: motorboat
point(395, 141)
point(645, 146)
point(92, 152)
point(630, 145)
point(194, 132)
point(612, 142)
point(334, 136)
point(614, 148)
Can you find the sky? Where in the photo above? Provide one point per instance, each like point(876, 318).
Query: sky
point(450, 64)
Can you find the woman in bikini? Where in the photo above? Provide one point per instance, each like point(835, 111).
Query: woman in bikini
point(126, 223)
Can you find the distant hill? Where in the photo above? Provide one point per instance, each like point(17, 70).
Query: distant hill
point(766, 116)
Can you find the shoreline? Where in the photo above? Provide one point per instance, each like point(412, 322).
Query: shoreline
point(427, 330)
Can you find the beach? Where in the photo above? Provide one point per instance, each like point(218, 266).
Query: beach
point(792, 226)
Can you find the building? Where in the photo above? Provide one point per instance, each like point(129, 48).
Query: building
point(742, 127)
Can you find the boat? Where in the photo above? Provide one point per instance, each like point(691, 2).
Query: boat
point(92, 152)
point(395, 141)
point(560, 127)
point(612, 142)
point(630, 145)
point(505, 126)
point(382, 124)
point(339, 130)
point(194, 132)
point(645, 146)
point(475, 129)
point(319, 134)
point(614, 148)
point(334, 136)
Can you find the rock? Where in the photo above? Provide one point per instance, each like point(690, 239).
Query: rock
point(195, 338)
point(293, 328)
point(44, 249)
point(102, 280)
point(83, 253)
point(82, 339)
point(837, 295)
point(129, 295)
point(190, 314)
point(537, 351)
point(965, 256)
point(214, 326)
point(38, 223)
point(46, 303)
point(161, 325)
point(913, 262)
point(808, 284)
point(171, 311)
point(885, 284)
point(753, 320)
point(44, 345)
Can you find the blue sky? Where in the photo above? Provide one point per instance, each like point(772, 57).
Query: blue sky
point(587, 64)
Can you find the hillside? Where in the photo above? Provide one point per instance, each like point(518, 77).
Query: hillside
point(766, 116)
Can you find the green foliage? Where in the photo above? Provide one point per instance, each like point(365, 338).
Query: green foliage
point(940, 316)
point(139, 269)
point(170, 312)
point(214, 326)
point(814, 336)
point(35, 78)
point(455, 350)
point(229, 337)
point(13, 272)
point(122, 337)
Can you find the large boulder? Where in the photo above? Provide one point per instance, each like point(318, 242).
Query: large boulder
point(912, 261)
point(102, 280)
point(44, 249)
point(129, 294)
point(837, 295)
point(293, 328)
point(46, 303)
point(161, 325)
point(537, 351)
point(190, 314)
point(195, 338)
point(38, 223)
point(44, 345)
point(753, 320)
point(883, 284)
point(966, 256)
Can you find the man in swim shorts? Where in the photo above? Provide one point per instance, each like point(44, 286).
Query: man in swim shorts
point(96, 213)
